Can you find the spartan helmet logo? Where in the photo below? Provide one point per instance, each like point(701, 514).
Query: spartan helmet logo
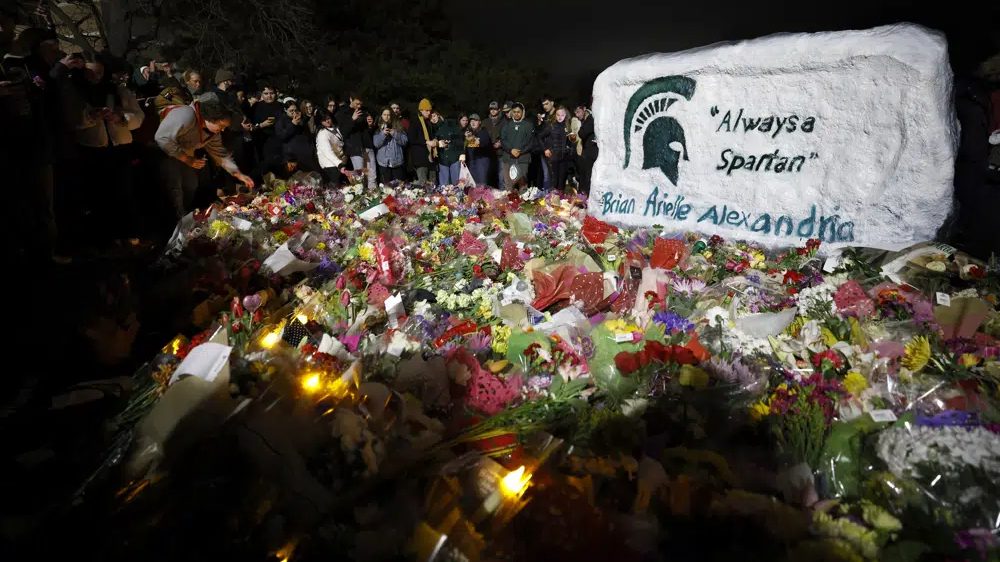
point(663, 141)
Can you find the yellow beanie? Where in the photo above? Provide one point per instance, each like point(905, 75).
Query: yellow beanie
point(425, 104)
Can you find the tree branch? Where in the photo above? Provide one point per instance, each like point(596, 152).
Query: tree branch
point(78, 37)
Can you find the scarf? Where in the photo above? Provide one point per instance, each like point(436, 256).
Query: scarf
point(427, 136)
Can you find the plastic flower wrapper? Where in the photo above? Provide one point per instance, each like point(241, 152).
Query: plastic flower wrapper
point(957, 467)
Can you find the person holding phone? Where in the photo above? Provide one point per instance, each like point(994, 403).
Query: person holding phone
point(266, 113)
point(390, 140)
point(352, 121)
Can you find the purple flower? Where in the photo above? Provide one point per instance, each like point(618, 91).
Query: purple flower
point(672, 321)
point(948, 418)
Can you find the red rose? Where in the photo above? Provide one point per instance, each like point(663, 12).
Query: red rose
point(682, 355)
point(658, 351)
point(626, 362)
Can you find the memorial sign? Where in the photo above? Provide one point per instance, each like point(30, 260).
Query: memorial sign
point(849, 137)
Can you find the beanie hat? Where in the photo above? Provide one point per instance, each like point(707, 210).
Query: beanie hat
point(425, 104)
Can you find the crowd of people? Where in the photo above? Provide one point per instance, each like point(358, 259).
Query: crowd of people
point(100, 146)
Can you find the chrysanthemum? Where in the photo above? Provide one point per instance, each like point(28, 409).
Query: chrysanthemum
point(917, 354)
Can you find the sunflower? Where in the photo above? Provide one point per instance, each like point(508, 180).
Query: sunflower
point(918, 353)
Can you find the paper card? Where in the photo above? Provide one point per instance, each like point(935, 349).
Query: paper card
point(284, 262)
point(242, 224)
point(208, 361)
point(948, 250)
point(612, 258)
point(394, 309)
point(882, 415)
point(375, 212)
point(944, 299)
point(831, 263)
point(624, 338)
point(497, 255)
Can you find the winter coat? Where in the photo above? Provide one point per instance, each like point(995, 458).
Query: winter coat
point(554, 137)
point(330, 148)
point(587, 138)
point(95, 132)
point(450, 131)
point(182, 131)
point(519, 135)
point(295, 140)
point(354, 131)
point(266, 137)
point(389, 148)
point(485, 148)
point(419, 153)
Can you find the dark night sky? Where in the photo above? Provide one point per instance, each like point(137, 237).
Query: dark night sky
point(576, 39)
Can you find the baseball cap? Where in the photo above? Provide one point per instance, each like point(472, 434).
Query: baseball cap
point(494, 105)
point(222, 75)
point(474, 116)
point(508, 105)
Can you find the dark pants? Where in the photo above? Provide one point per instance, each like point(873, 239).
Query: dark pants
point(331, 176)
point(584, 168)
point(386, 175)
point(557, 172)
point(181, 184)
point(479, 168)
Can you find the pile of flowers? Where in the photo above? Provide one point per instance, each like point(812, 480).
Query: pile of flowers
point(815, 407)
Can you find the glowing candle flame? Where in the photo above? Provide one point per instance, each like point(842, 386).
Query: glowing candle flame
point(515, 483)
point(270, 339)
point(302, 318)
point(311, 383)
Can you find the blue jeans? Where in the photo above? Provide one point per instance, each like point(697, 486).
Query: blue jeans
point(479, 168)
point(448, 174)
point(546, 175)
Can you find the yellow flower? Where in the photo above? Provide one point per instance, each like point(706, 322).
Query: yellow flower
point(321, 246)
point(855, 383)
point(619, 326)
point(219, 228)
point(759, 411)
point(968, 360)
point(828, 338)
point(501, 339)
point(918, 353)
point(366, 252)
point(280, 237)
point(756, 259)
point(795, 327)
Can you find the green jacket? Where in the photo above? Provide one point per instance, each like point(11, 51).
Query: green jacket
point(519, 135)
point(449, 130)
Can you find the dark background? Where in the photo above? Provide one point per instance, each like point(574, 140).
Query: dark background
point(574, 40)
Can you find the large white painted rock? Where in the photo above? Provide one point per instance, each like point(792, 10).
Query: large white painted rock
point(849, 137)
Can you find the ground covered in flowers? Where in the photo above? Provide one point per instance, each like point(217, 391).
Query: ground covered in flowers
point(454, 373)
